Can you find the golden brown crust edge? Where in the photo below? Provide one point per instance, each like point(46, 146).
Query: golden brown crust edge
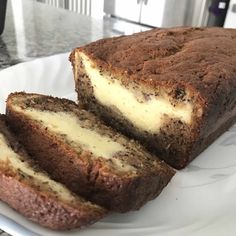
point(46, 211)
point(37, 205)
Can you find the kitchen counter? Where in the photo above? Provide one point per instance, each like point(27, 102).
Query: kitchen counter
point(3, 233)
point(34, 29)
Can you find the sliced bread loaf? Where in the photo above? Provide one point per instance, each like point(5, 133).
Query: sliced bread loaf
point(77, 149)
point(172, 89)
point(34, 194)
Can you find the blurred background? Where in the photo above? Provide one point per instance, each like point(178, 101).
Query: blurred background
point(157, 13)
point(38, 28)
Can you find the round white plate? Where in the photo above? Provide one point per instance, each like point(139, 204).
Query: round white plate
point(200, 200)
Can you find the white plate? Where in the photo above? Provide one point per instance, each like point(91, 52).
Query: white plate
point(200, 200)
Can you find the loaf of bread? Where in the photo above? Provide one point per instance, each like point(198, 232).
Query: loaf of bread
point(34, 194)
point(91, 159)
point(172, 89)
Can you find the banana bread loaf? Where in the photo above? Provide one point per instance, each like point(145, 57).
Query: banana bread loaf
point(31, 192)
point(172, 89)
point(88, 157)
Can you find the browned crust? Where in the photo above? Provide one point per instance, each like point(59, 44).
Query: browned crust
point(176, 147)
point(188, 59)
point(175, 58)
point(168, 57)
point(46, 211)
point(37, 205)
point(91, 179)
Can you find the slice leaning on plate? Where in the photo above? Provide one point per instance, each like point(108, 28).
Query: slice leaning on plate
point(31, 192)
point(77, 149)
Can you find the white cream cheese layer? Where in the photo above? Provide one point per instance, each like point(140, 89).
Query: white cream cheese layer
point(148, 116)
point(67, 124)
point(8, 155)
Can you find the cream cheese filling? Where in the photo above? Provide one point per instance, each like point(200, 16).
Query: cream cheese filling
point(8, 155)
point(68, 125)
point(148, 116)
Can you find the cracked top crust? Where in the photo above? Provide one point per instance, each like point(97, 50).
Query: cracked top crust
point(200, 58)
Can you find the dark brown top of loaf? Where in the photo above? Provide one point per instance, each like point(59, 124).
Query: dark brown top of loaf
point(198, 58)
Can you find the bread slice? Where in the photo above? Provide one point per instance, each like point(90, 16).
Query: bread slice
point(34, 194)
point(84, 154)
point(172, 89)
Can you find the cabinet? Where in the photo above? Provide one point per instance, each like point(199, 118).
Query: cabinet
point(149, 12)
point(152, 12)
point(158, 13)
point(230, 20)
point(126, 9)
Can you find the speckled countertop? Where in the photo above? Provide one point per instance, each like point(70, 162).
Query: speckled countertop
point(34, 29)
point(3, 233)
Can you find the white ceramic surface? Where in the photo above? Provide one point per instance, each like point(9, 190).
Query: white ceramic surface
point(200, 200)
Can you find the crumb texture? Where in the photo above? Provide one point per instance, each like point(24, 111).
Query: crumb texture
point(124, 181)
point(189, 68)
point(45, 201)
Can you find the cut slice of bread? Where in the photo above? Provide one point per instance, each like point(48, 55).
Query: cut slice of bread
point(31, 192)
point(171, 89)
point(77, 149)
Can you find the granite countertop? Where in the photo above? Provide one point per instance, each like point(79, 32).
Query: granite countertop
point(3, 233)
point(34, 29)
